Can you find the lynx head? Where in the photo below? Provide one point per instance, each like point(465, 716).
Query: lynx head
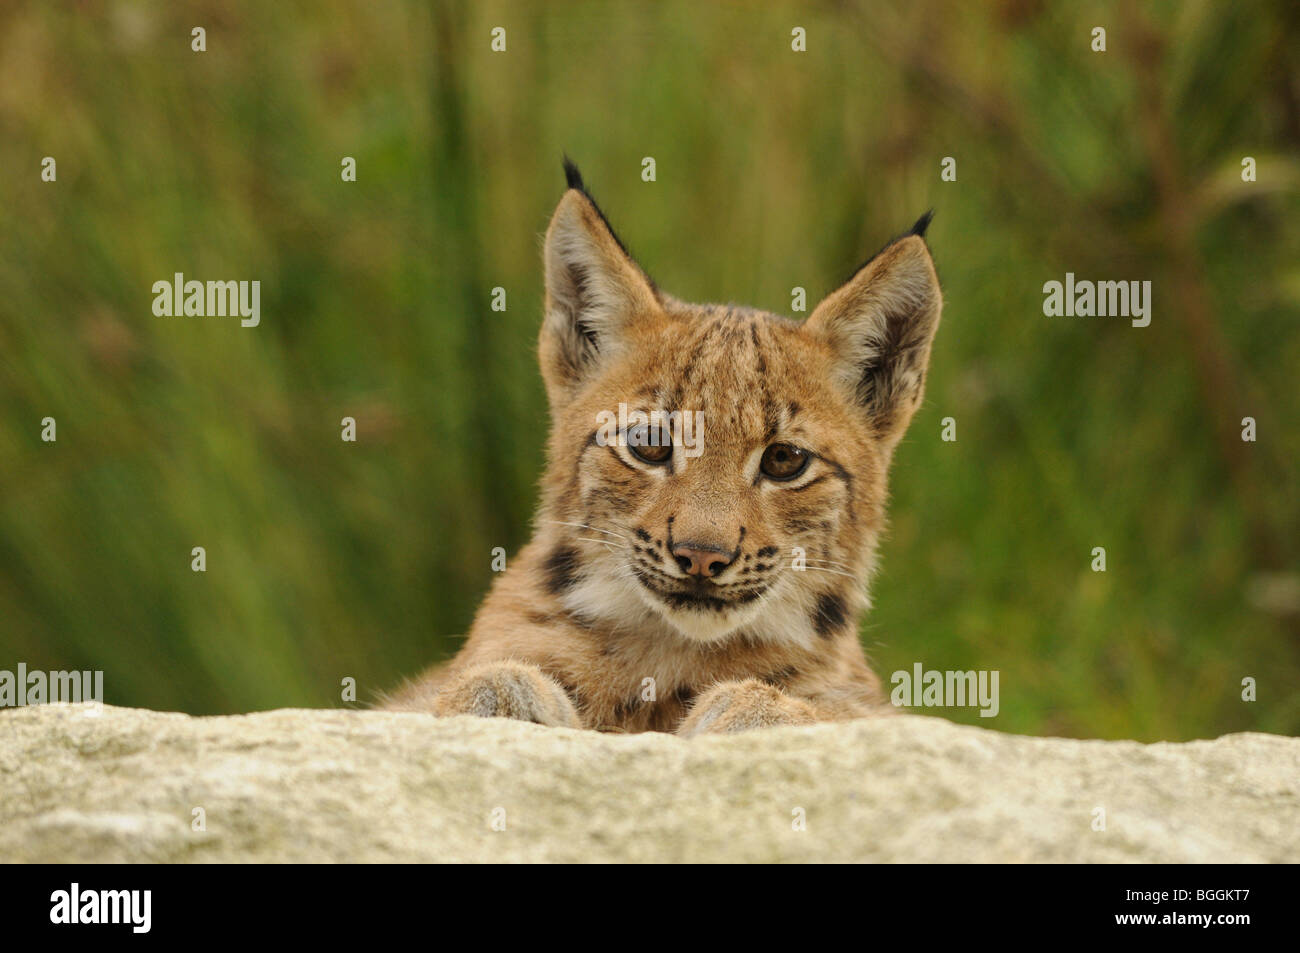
point(718, 471)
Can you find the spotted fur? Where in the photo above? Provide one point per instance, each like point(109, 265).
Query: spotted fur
point(597, 623)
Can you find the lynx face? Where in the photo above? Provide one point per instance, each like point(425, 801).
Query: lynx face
point(722, 470)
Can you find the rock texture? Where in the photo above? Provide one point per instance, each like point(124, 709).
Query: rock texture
point(370, 786)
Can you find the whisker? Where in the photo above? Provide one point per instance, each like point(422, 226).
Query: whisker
point(828, 561)
point(819, 565)
point(613, 547)
point(789, 560)
point(832, 571)
point(594, 529)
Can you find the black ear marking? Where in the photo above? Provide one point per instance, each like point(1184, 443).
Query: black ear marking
point(572, 176)
point(921, 225)
point(918, 230)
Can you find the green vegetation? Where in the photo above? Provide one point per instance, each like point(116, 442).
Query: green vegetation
point(775, 169)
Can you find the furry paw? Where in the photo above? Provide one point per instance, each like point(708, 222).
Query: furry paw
point(739, 706)
point(507, 690)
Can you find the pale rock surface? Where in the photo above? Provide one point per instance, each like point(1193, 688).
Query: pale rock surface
point(370, 786)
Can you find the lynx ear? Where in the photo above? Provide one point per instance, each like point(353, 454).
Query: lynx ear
point(593, 290)
point(880, 325)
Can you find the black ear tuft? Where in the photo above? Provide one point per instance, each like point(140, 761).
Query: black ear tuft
point(918, 230)
point(572, 176)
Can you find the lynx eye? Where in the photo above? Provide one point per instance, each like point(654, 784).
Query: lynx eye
point(650, 444)
point(783, 461)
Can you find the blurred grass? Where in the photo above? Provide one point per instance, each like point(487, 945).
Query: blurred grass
point(775, 169)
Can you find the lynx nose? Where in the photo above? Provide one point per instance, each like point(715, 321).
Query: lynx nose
point(699, 559)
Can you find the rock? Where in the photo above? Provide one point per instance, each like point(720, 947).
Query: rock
point(372, 786)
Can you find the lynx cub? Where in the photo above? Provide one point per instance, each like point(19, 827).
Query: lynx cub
point(706, 588)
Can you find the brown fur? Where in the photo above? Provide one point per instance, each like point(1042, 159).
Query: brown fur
point(577, 632)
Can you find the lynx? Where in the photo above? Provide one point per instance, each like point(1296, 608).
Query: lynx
point(718, 591)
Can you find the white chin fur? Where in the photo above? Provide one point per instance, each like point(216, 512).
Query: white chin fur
point(705, 625)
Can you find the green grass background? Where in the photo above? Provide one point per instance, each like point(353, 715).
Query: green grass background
point(775, 169)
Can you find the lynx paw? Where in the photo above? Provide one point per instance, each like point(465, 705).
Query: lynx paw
point(508, 690)
point(739, 706)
